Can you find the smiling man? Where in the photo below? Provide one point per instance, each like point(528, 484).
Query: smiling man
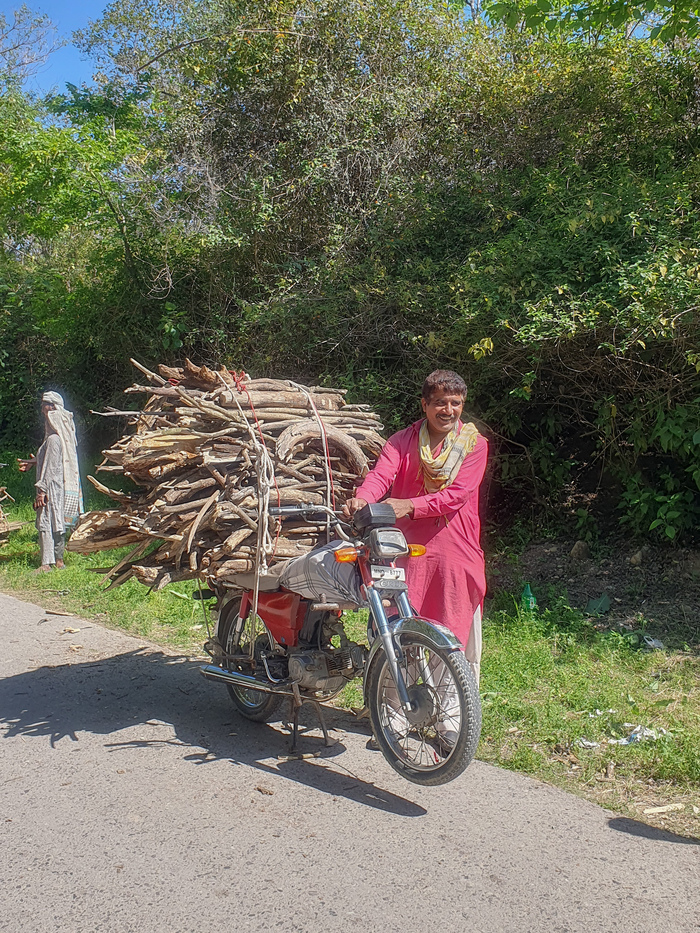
point(430, 474)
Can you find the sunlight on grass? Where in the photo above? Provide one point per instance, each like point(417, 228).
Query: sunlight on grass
point(171, 616)
point(558, 695)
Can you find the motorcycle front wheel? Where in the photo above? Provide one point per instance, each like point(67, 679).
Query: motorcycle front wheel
point(253, 704)
point(438, 740)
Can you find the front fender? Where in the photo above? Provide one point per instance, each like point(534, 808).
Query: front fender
point(439, 636)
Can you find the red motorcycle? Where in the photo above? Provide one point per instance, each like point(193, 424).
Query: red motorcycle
point(421, 693)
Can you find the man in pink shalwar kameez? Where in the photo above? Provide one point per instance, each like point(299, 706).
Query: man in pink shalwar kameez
point(448, 583)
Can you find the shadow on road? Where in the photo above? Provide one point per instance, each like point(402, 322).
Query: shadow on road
point(151, 688)
point(634, 828)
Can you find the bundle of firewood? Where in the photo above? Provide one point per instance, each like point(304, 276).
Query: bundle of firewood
point(208, 450)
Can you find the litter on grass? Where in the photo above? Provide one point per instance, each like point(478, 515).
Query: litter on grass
point(666, 809)
point(639, 734)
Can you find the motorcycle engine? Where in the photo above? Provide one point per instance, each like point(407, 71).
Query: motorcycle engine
point(326, 671)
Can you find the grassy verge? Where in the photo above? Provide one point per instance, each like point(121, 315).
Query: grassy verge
point(558, 693)
point(170, 617)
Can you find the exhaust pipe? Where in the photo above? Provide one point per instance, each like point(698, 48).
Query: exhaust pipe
point(235, 679)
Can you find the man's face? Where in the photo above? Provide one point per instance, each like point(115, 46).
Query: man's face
point(443, 411)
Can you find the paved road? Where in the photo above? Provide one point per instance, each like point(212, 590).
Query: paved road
point(135, 800)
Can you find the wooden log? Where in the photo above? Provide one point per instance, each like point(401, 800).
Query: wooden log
point(301, 435)
point(115, 494)
point(200, 515)
point(199, 478)
point(230, 567)
point(131, 556)
point(158, 577)
point(147, 372)
point(183, 492)
point(93, 545)
point(231, 511)
point(185, 507)
point(125, 575)
point(235, 539)
point(294, 496)
point(280, 400)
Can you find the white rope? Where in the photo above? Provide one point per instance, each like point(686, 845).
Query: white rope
point(326, 453)
point(265, 469)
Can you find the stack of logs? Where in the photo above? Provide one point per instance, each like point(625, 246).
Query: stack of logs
point(196, 454)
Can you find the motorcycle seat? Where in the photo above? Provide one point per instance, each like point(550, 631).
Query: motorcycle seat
point(269, 582)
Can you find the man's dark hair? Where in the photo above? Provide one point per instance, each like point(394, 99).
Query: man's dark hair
point(445, 380)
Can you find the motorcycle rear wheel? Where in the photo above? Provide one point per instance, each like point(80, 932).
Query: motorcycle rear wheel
point(252, 704)
point(441, 741)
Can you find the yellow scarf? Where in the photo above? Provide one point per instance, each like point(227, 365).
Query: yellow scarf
point(439, 472)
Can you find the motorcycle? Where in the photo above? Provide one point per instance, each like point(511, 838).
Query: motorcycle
point(270, 643)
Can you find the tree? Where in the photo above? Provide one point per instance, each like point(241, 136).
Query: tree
point(653, 19)
point(26, 41)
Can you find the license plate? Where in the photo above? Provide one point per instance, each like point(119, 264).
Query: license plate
point(388, 573)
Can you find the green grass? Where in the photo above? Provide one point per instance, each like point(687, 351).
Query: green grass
point(170, 617)
point(551, 681)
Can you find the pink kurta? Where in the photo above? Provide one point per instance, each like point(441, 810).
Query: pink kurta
point(447, 584)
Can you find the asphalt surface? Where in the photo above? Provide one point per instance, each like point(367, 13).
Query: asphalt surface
point(134, 798)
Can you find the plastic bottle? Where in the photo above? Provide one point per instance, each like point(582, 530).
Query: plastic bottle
point(527, 600)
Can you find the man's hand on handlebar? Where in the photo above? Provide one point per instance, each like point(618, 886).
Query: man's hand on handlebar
point(401, 507)
point(352, 506)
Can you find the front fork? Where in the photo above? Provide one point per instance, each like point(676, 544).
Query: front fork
point(384, 632)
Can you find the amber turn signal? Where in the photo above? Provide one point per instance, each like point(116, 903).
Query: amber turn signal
point(416, 550)
point(346, 555)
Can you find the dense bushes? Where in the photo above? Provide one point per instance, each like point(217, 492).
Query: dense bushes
point(362, 193)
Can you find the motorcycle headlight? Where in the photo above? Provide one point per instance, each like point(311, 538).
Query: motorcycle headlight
point(387, 543)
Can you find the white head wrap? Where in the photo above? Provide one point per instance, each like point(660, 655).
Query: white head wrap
point(61, 420)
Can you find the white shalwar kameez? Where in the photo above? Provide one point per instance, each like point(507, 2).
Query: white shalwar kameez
point(50, 521)
point(58, 476)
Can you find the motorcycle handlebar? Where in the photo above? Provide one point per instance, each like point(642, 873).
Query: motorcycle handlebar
point(303, 508)
point(310, 513)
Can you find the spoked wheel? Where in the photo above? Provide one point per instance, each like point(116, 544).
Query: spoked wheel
point(436, 742)
point(253, 704)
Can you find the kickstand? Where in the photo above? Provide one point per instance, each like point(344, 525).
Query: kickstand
point(295, 728)
point(322, 720)
point(294, 753)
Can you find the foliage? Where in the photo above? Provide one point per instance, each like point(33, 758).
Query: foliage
point(359, 192)
point(593, 19)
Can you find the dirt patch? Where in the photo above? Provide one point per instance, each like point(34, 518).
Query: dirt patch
point(650, 589)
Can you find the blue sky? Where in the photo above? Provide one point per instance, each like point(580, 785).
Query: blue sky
point(67, 64)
